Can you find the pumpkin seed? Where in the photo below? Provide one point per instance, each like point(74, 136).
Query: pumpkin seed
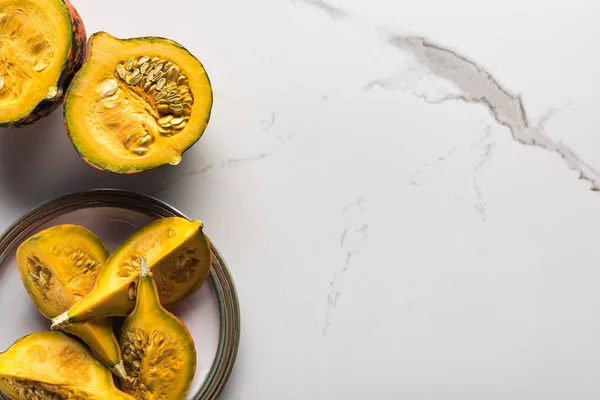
point(131, 291)
point(183, 92)
point(137, 79)
point(145, 141)
point(165, 132)
point(155, 60)
point(165, 121)
point(144, 67)
point(130, 64)
point(143, 60)
point(160, 95)
point(174, 99)
point(176, 107)
point(182, 80)
point(135, 72)
point(187, 109)
point(171, 86)
point(158, 76)
point(140, 151)
point(108, 87)
point(150, 76)
point(187, 100)
point(147, 86)
point(163, 109)
point(179, 126)
point(173, 73)
point(121, 71)
point(176, 121)
point(161, 83)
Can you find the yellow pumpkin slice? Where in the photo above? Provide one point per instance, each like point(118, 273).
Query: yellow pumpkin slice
point(160, 356)
point(42, 45)
point(178, 254)
point(52, 365)
point(137, 103)
point(58, 267)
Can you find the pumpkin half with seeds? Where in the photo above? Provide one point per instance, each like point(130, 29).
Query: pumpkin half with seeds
point(58, 267)
point(137, 103)
point(53, 366)
point(42, 45)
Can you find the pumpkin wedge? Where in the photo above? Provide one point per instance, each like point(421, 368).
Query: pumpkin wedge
point(58, 267)
point(42, 45)
point(160, 356)
point(178, 254)
point(137, 103)
point(52, 365)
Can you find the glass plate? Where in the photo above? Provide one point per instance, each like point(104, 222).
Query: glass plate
point(212, 314)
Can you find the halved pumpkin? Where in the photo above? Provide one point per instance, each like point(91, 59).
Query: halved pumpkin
point(137, 103)
point(42, 45)
point(51, 365)
point(58, 267)
point(178, 254)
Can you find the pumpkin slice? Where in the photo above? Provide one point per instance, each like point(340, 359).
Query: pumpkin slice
point(178, 254)
point(137, 103)
point(52, 365)
point(58, 267)
point(160, 356)
point(42, 45)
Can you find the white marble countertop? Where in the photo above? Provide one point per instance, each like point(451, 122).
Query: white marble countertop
point(403, 190)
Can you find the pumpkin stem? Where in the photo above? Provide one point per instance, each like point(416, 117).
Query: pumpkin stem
point(147, 294)
point(144, 269)
point(60, 321)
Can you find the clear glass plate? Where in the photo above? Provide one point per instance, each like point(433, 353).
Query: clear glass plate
point(211, 314)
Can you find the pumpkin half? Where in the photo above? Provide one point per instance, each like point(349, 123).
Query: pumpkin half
point(58, 267)
point(52, 365)
point(42, 45)
point(137, 103)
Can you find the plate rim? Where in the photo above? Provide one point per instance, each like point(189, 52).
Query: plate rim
point(220, 274)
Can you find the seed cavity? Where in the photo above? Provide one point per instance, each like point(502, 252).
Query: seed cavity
point(164, 87)
point(33, 390)
point(145, 352)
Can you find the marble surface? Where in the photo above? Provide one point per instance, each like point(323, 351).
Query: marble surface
point(406, 192)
